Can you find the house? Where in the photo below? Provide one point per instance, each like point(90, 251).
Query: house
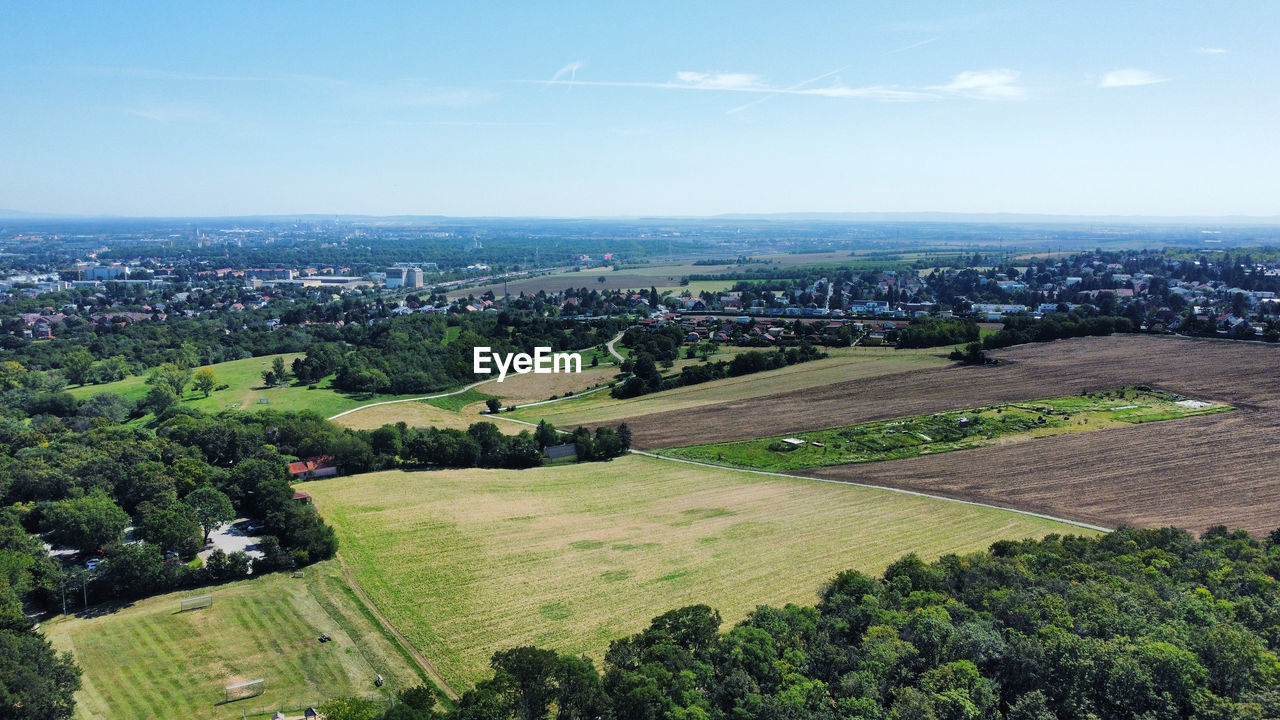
point(314, 467)
point(304, 498)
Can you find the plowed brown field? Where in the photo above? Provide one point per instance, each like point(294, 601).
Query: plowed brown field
point(1192, 473)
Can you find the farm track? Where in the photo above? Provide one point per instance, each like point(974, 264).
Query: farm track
point(426, 665)
point(1192, 473)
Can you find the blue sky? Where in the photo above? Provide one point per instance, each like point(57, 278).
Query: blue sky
point(570, 109)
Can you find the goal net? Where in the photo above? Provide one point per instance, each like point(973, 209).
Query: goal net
point(246, 689)
point(194, 603)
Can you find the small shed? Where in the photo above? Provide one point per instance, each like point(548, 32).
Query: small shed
point(555, 452)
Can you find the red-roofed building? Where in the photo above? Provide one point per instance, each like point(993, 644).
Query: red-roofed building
point(313, 467)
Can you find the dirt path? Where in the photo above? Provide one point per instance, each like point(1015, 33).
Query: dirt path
point(418, 657)
point(412, 399)
point(609, 346)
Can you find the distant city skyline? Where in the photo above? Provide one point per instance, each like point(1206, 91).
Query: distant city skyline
point(665, 109)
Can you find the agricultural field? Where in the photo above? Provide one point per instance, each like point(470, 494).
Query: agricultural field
point(1191, 473)
point(845, 365)
point(662, 276)
point(246, 391)
point(1238, 374)
point(945, 432)
point(146, 659)
point(467, 562)
point(629, 278)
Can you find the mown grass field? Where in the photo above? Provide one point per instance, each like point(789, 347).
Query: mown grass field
point(246, 391)
point(468, 562)
point(146, 660)
point(420, 414)
point(965, 429)
point(845, 365)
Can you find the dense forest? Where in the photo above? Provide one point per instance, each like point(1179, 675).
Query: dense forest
point(1135, 624)
point(409, 354)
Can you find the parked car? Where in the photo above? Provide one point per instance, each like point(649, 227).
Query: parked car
point(92, 563)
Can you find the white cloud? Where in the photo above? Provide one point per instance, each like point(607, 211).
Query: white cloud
point(1212, 51)
point(750, 83)
point(721, 81)
point(998, 84)
point(1130, 77)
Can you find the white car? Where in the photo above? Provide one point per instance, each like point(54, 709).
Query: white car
point(92, 563)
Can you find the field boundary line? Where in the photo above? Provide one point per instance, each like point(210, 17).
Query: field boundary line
point(427, 666)
point(869, 486)
point(405, 400)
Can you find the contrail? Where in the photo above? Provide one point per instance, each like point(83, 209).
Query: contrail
point(572, 70)
point(912, 46)
point(797, 86)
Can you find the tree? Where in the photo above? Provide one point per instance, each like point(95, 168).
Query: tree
point(494, 405)
point(546, 434)
point(211, 508)
point(86, 523)
point(171, 376)
point(350, 707)
point(278, 369)
point(205, 380)
point(172, 528)
point(525, 673)
point(76, 366)
point(116, 408)
point(36, 683)
point(159, 398)
point(133, 569)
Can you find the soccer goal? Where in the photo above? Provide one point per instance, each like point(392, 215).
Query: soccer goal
point(246, 689)
point(195, 603)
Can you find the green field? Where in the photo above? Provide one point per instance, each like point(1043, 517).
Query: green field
point(944, 432)
point(146, 660)
point(458, 401)
point(467, 562)
point(246, 391)
point(843, 365)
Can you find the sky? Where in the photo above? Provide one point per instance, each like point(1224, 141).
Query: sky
point(622, 109)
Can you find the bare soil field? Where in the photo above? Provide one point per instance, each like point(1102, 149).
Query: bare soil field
point(1192, 473)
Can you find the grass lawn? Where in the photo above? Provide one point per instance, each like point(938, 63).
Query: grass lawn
point(944, 432)
point(421, 414)
point(456, 402)
point(843, 365)
point(246, 391)
point(148, 661)
point(468, 562)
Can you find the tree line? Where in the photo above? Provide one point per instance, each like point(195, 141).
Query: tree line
point(644, 376)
